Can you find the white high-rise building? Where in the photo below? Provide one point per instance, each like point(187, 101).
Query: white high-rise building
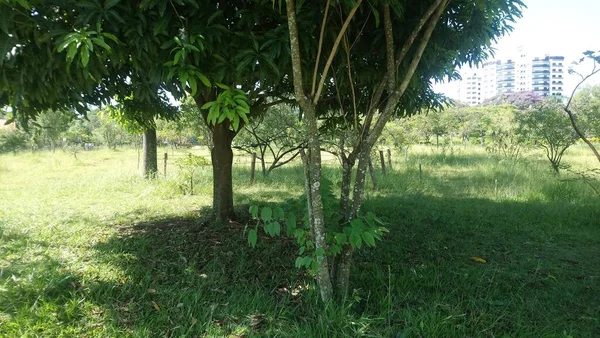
point(469, 89)
point(489, 79)
point(543, 75)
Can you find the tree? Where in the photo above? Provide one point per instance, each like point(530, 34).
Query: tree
point(186, 129)
point(399, 134)
point(277, 134)
point(109, 132)
point(378, 75)
point(522, 100)
point(501, 130)
point(50, 127)
point(586, 108)
point(594, 58)
point(12, 140)
point(99, 52)
point(546, 126)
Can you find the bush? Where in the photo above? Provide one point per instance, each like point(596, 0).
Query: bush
point(12, 141)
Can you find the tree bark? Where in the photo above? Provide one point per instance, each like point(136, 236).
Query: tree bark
point(313, 163)
point(221, 154)
point(344, 260)
point(222, 162)
point(263, 165)
point(345, 192)
point(150, 162)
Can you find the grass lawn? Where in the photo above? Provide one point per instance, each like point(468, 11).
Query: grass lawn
point(90, 249)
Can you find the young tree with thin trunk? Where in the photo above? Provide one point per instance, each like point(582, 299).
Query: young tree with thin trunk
point(594, 57)
point(369, 76)
point(547, 127)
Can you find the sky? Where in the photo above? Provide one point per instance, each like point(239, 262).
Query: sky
point(558, 27)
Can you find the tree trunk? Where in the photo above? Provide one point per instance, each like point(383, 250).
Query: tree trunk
point(222, 162)
point(318, 225)
point(262, 161)
point(313, 158)
point(150, 164)
point(345, 192)
point(344, 260)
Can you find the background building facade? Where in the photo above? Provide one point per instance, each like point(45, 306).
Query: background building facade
point(542, 75)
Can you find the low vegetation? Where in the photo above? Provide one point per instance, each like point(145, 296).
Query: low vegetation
point(479, 245)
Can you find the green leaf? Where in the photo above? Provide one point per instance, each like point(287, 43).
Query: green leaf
point(290, 225)
point(213, 16)
point(85, 56)
point(6, 45)
point(368, 238)
point(161, 25)
point(299, 261)
point(236, 123)
point(24, 4)
point(299, 233)
point(178, 56)
point(268, 228)
point(335, 249)
point(183, 76)
point(252, 237)
point(203, 78)
point(110, 36)
point(72, 51)
point(191, 47)
point(208, 105)
point(213, 114)
point(276, 228)
point(100, 42)
point(193, 85)
point(278, 213)
point(356, 241)
point(222, 86)
point(357, 226)
point(266, 214)
point(222, 116)
point(253, 211)
point(341, 238)
point(110, 3)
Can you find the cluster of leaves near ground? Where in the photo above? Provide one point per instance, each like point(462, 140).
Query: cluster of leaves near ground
point(88, 249)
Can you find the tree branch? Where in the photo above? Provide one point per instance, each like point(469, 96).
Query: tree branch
point(314, 79)
point(399, 91)
point(567, 109)
point(334, 49)
point(389, 47)
point(295, 52)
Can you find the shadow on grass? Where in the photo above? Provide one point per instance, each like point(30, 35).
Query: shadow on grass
point(187, 276)
point(181, 276)
point(539, 277)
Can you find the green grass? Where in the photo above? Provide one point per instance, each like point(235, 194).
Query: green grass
point(88, 248)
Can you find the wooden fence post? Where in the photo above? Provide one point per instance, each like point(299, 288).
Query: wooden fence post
point(389, 156)
point(165, 164)
point(420, 173)
point(372, 173)
point(382, 161)
point(252, 168)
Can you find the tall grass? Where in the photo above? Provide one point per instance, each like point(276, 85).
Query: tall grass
point(88, 248)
